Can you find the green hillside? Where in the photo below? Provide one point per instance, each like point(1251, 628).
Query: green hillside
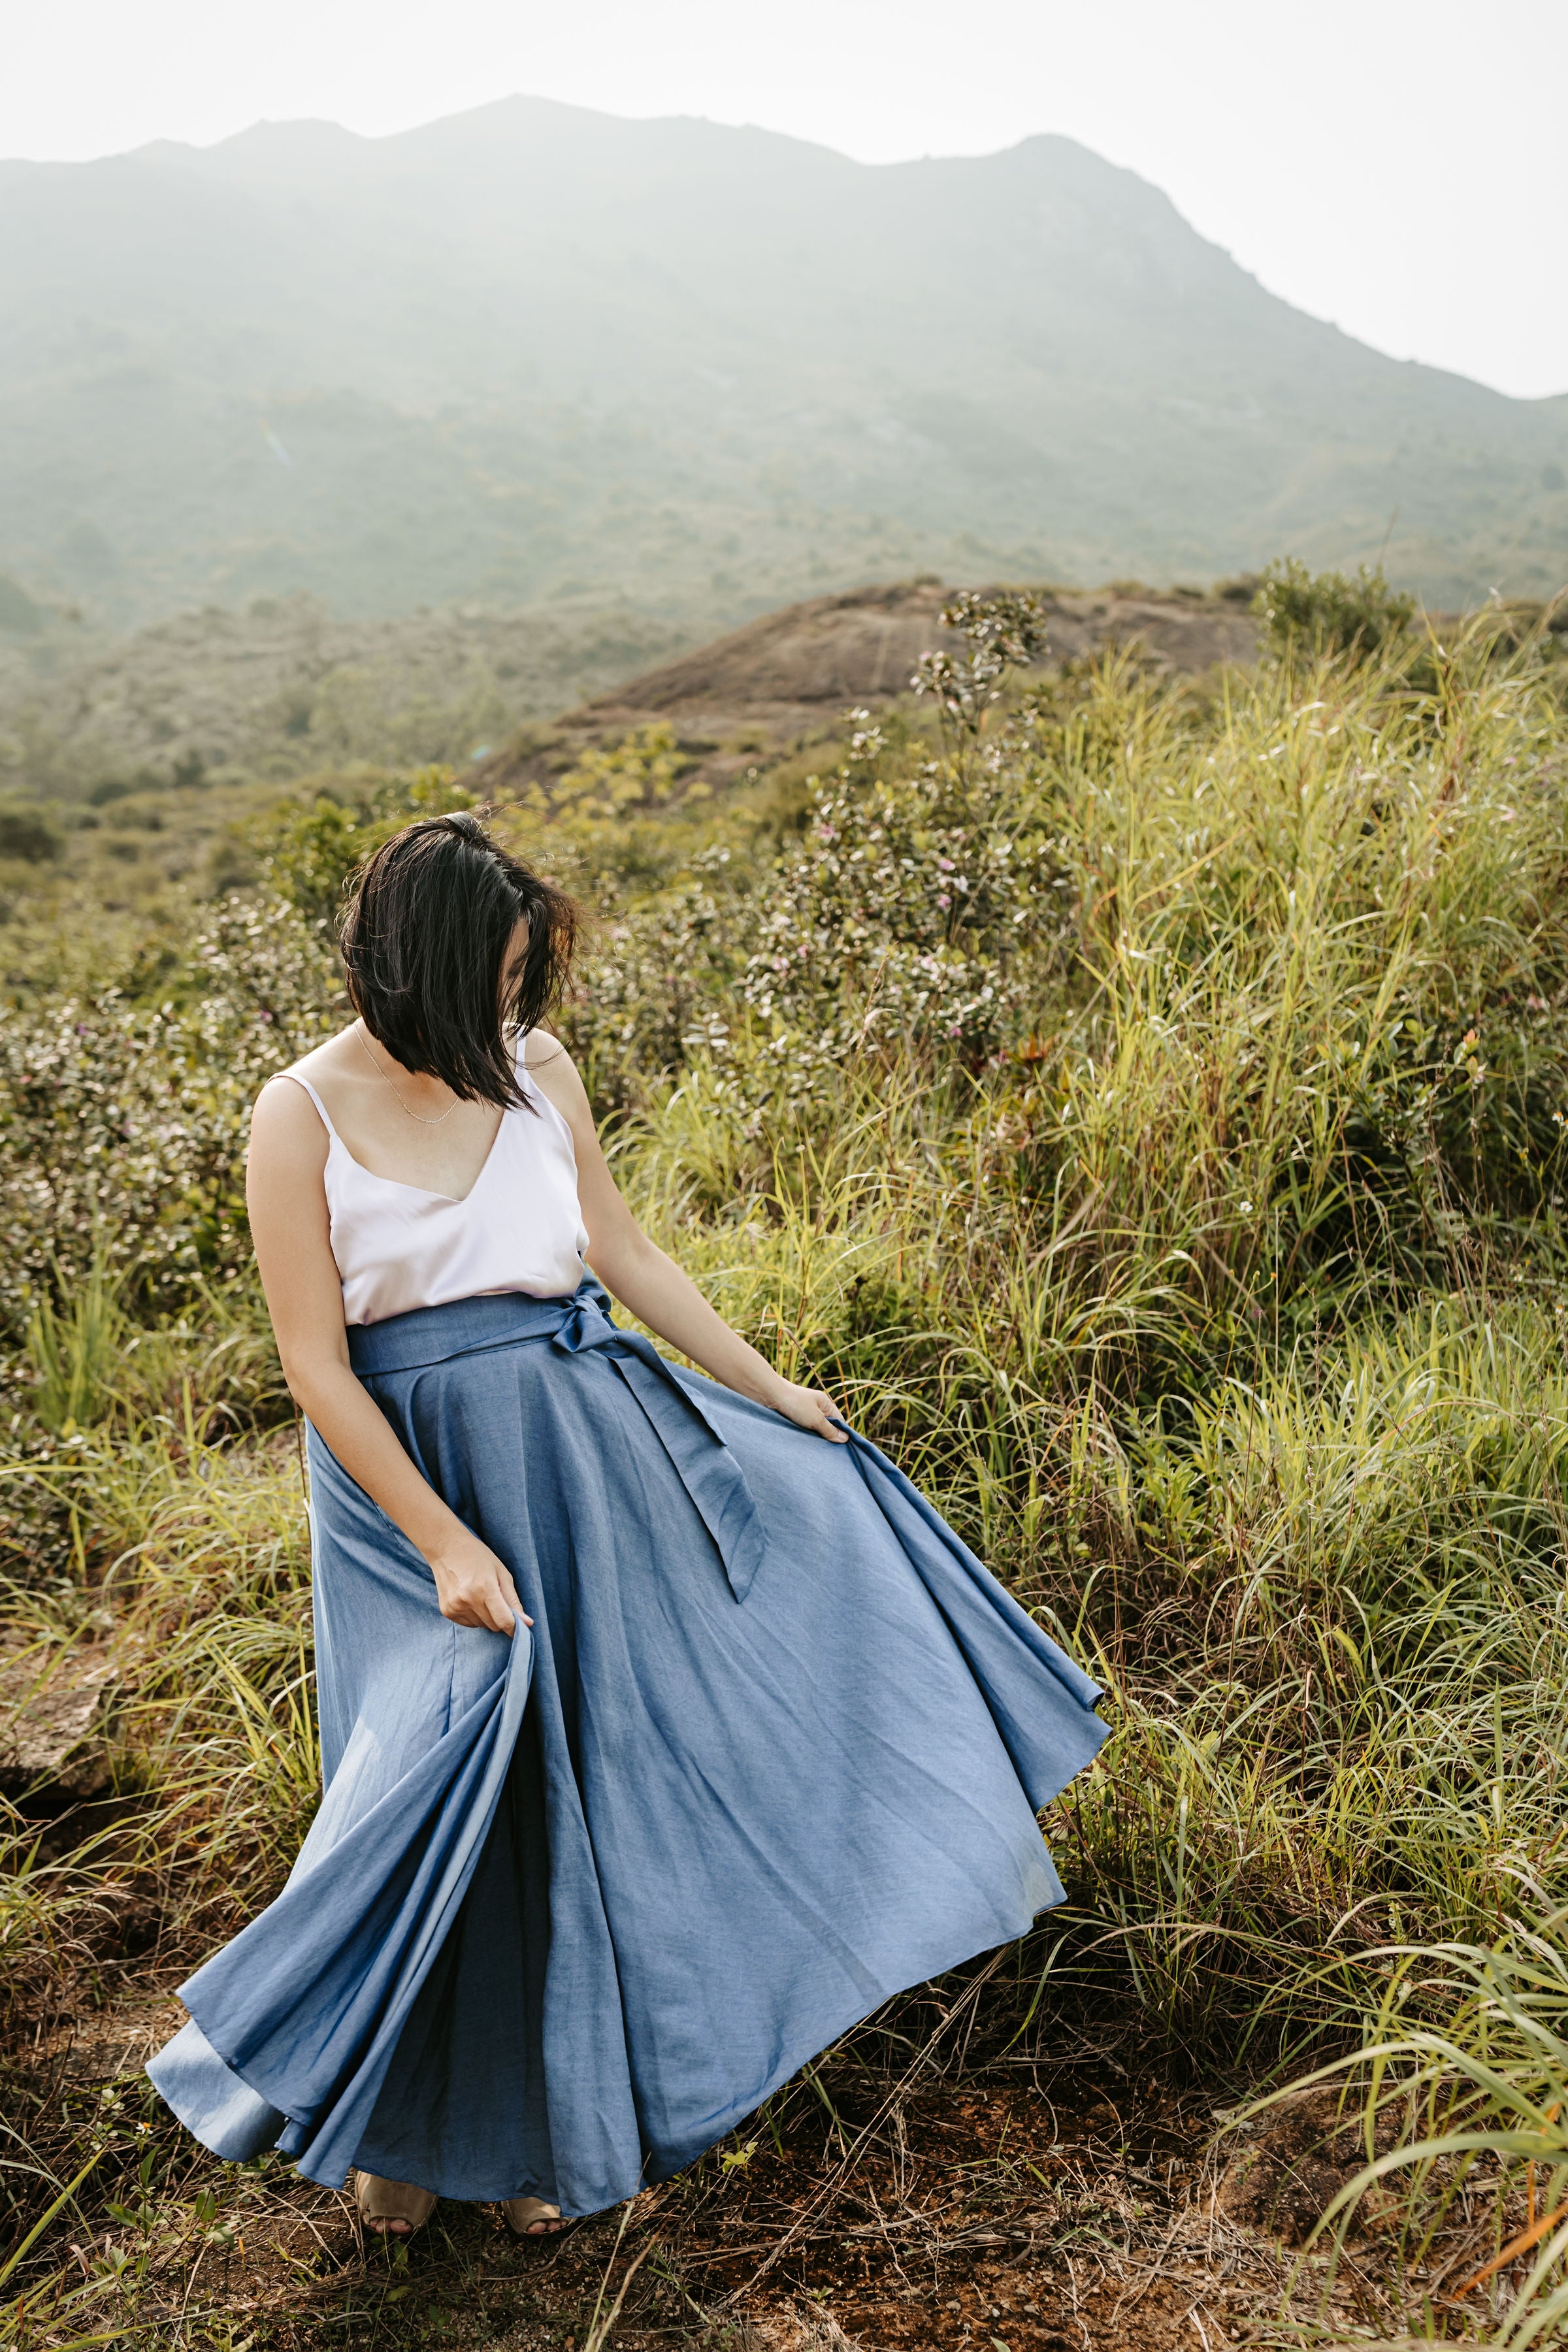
point(1143, 1107)
point(283, 687)
point(533, 352)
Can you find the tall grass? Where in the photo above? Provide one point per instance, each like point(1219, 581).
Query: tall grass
point(1156, 1142)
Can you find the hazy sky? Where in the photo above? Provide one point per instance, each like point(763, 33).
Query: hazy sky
point(1400, 166)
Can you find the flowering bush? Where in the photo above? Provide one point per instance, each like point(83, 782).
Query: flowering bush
point(122, 1125)
point(910, 910)
point(921, 907)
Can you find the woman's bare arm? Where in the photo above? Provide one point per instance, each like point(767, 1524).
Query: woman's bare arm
point(286, 1198)
point(651, 1284)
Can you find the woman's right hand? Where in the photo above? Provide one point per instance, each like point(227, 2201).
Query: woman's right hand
point(474, 1587)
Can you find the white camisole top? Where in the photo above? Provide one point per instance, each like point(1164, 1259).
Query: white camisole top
point(519, 1228)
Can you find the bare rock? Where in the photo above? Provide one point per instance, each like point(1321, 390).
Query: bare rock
point(56, 1720)
point(787, 678)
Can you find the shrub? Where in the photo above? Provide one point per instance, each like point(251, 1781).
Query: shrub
point(28, 836)
point(1320, 614)
point(122, 1123)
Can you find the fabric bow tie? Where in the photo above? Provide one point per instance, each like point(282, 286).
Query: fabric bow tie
point(703, 1463)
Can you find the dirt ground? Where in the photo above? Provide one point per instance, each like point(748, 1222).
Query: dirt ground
point(1077, 2210)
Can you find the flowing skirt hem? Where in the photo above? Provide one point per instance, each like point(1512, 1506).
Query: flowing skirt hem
point(234, 2120)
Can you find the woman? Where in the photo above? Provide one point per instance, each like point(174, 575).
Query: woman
point(666, 1731)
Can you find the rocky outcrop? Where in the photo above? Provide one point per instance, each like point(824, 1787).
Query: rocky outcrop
point(749, 698)
point(57, 1707)
point(862, 647)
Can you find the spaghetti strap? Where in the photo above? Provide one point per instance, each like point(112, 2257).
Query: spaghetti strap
point(400, 1246)
point(294, 1075)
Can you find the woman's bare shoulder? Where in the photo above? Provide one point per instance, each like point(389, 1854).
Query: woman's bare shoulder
point(540, 1049)
point(332, 1054)
point(285, 1125)
point(322, 1061)
point(554, 1071)
point(283, 1116)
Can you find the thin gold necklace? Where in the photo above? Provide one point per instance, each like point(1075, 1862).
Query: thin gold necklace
point(380, 1073)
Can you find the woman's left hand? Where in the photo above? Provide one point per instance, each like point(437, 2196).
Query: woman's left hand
point(811, 1408)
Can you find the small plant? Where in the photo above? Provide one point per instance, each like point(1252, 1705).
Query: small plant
point(1463, 2084)
point(28, 836)
point(75, 1347)
point(1325, 614)
point(642, 772)
point(1004, 631)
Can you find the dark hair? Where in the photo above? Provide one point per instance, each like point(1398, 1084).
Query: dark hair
point(424, 941)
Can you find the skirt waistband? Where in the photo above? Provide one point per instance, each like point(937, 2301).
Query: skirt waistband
point(464, 1326)
point(581, 1326)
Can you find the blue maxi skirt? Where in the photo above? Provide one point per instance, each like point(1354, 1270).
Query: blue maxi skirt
point(576, 1902)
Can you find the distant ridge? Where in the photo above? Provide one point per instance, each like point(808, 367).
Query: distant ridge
point(533, 354)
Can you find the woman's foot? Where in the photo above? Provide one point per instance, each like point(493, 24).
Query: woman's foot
point(392, 2209)
point(529, 2217)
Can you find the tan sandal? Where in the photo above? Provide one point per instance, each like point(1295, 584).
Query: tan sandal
point(530, 2217)
point(384, 2205)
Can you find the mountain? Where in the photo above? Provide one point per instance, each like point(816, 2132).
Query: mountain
point(533, 352)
